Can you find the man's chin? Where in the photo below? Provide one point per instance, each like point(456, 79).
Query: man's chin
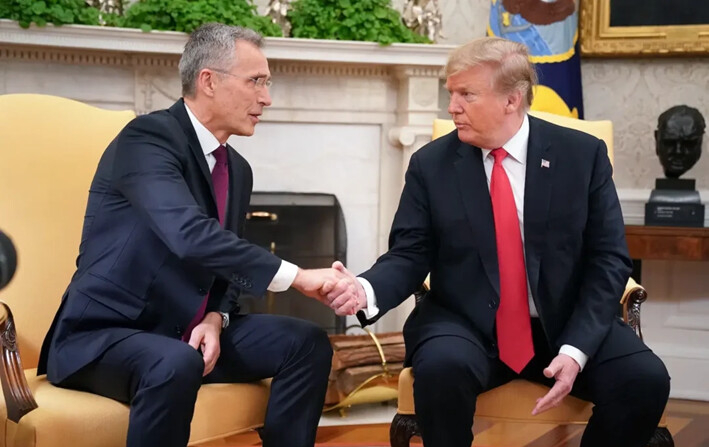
point(245, 131)
point(466, 135)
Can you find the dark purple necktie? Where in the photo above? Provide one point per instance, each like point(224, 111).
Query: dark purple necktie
point(220, 181)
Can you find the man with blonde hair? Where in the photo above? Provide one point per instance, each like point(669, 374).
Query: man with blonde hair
point(518, 222)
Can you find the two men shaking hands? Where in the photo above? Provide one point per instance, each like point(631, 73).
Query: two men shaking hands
point(335, 287)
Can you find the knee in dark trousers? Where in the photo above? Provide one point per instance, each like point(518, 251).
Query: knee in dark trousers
point(448, 373)
point(309, 341)
point(630, 394)
point(178, 371)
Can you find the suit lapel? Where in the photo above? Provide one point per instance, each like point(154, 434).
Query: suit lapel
point(537, 194)
point(478, 208)
point(178, 111)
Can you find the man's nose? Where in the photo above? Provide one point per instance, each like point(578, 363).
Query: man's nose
point(454, 107)
point(265, 97)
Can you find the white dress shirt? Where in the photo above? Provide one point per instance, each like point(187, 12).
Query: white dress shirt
point(515, 165)
point(209, 143)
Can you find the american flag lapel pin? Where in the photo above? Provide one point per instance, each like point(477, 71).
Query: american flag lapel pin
point(545, 163)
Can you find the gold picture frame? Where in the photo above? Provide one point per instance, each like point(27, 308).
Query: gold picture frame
point(600, 39)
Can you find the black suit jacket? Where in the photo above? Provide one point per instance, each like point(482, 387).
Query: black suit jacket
point(152, 245)
point(576, 255)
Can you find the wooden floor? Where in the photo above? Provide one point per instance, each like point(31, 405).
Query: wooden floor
point(688, 422)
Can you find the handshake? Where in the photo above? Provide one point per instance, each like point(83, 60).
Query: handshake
point(335, 287)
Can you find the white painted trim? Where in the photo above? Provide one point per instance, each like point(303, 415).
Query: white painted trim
point(688, 394)
point(678, 351)
point(692, 322)
point(82, 37)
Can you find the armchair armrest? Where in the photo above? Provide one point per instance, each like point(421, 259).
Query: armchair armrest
point(631, 300)
point(18, 396)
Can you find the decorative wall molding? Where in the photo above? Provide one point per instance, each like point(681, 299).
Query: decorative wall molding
point(291, 68)
point(402, 72)
point(406, 136)
point(72, 57)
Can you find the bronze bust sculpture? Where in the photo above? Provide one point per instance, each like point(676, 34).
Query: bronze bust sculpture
point(678, 139)
point(678, 143)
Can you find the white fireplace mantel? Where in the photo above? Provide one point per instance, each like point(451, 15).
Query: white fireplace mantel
point(134, 41)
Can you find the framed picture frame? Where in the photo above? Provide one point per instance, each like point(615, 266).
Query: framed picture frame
point(627, 28)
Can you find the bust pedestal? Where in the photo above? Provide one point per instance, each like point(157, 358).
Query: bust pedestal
point(675, 203)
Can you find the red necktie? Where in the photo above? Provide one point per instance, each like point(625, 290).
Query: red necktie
point(220, 181)
point(514, 328)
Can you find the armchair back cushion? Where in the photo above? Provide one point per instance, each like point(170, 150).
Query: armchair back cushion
point(49, 149)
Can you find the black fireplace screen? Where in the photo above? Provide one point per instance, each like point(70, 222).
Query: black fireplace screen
point(307, 230)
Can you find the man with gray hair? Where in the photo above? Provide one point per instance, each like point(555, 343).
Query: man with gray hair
point(151, 312)
point(518, 222)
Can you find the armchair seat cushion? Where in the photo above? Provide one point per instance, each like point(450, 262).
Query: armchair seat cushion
point(89, 420)
point(512, 401)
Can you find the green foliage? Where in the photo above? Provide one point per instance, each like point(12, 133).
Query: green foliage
point(186, 15)
point(370, 20)
point(58, 12)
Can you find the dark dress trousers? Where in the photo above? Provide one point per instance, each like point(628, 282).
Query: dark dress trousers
point(577, 265)
point(151, 249)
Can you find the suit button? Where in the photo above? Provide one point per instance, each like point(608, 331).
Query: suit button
point(492, 305)
point(202, 291)
point(178, 330)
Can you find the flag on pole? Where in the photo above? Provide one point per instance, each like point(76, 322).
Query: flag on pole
point(549, 28)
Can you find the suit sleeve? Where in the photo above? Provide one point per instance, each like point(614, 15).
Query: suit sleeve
point(148, 172)
point(401, 271)
point(607, 264)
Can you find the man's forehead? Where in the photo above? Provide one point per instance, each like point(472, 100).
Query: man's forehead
point(468, 76)
point(247, 51)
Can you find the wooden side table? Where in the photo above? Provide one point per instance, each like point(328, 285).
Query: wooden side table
point(665, 243)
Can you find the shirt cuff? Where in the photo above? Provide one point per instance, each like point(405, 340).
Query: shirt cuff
point(284, 277)
point(575, 354)
point(371, 310)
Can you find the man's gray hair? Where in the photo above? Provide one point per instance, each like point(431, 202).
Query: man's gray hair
point(212, 46)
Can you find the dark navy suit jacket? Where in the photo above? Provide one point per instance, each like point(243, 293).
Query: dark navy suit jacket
point(574, 237)
point(152, 246)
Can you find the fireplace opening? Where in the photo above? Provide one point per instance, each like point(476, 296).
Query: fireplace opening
point(307, 229)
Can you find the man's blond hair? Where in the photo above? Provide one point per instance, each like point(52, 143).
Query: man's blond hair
point(509, 60)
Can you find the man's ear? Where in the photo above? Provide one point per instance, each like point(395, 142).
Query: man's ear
point(205, 82)
point(514, 101)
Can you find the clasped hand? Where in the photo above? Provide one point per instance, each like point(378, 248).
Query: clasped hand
point(335, 287)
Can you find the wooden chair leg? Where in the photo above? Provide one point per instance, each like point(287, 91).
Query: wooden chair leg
point(661, 438)
point(403, 428)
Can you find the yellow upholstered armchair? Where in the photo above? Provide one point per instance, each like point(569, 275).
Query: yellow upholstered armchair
point(49, 150)
point(514, 400)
